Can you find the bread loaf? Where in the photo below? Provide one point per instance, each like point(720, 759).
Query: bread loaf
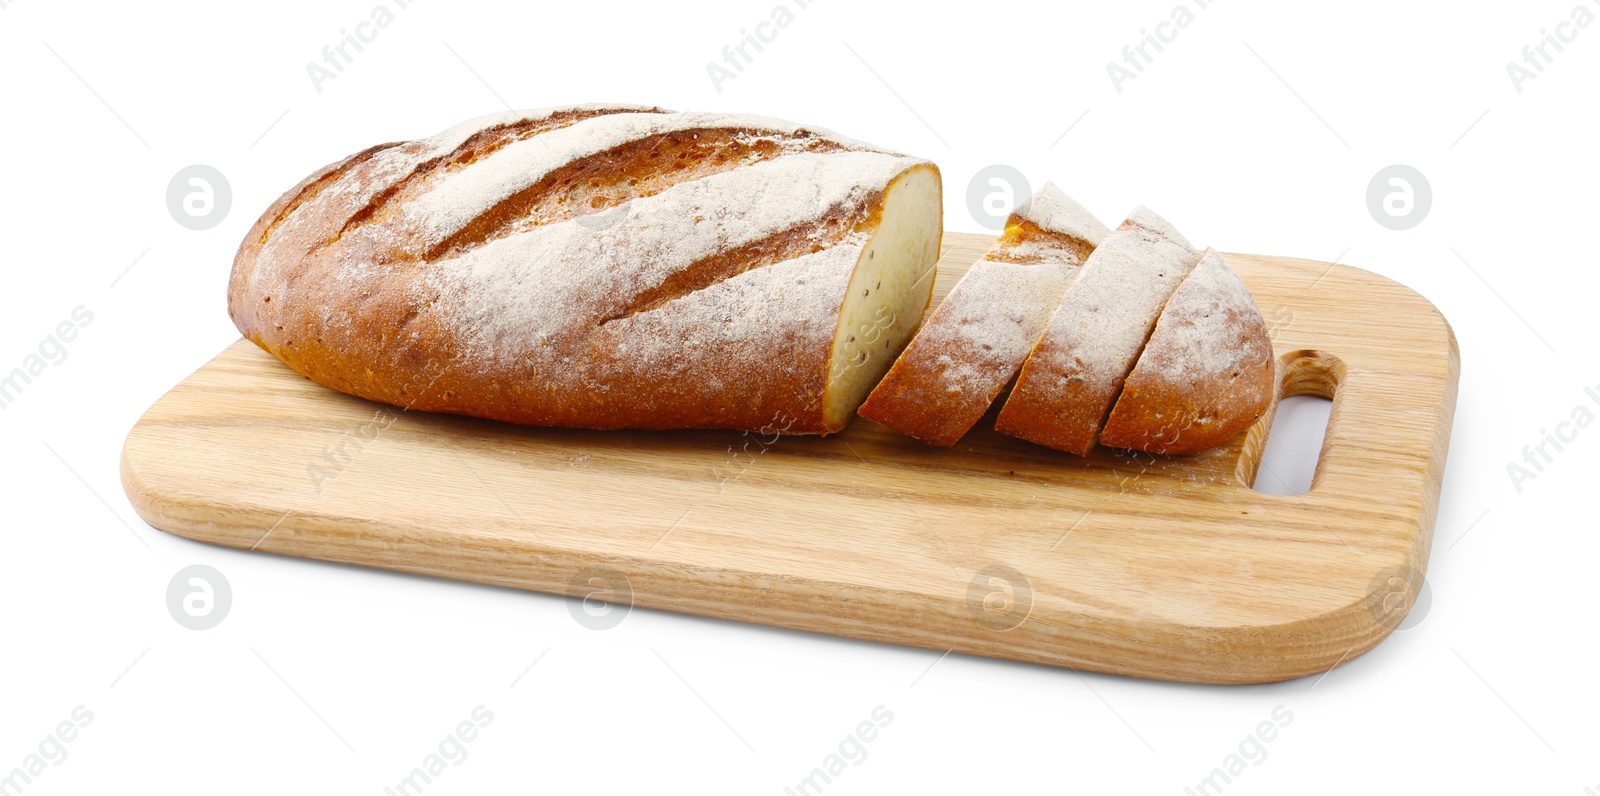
point(980, 334)
point(1206, 373)
point(1068, 384)
point(603, 267)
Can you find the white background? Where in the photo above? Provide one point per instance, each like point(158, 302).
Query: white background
point(1257, 130)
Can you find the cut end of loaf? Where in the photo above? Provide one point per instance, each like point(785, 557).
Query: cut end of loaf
point(888, 294)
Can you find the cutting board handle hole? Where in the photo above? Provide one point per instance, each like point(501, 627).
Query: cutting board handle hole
point(1284, 452)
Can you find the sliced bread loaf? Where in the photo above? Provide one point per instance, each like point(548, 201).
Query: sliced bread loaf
point(1068, 384)
point(601, 266)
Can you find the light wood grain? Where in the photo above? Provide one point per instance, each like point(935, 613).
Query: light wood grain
point(1168, 568)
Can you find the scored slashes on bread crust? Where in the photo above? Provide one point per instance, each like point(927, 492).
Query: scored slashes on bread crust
point(978, 337)
point(602, 267)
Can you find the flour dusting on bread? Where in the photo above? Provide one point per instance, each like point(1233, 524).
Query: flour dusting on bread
point(601, 266)
point(1206, 372)
point(1068, 384)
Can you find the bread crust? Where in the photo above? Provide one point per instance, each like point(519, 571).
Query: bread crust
point(593, 266)
point(1206, 373)
point(978, 337)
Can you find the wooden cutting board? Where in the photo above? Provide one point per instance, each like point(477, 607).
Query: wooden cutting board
point(1170, 568)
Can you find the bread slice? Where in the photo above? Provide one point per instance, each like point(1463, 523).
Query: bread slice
point(601, 266)
point(1067, 385)
point(1206, 373)
point(980, 334)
